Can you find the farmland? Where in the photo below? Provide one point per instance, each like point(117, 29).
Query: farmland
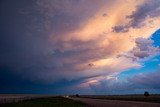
point(39, 101)
point(27, 100)
point(141, 98)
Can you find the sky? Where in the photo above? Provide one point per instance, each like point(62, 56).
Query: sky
point(80, 46)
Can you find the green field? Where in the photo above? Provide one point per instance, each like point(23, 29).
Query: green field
point(46, 102)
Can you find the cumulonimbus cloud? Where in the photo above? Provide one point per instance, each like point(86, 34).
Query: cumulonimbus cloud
point(71, 40)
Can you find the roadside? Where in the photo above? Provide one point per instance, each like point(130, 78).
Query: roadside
point(114, 103)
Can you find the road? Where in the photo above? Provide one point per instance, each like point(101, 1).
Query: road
point(114, 103)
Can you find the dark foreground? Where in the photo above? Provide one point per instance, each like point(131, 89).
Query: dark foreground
point(46, 102)
point(138, 98)
point(16, 100)
point(114, 103)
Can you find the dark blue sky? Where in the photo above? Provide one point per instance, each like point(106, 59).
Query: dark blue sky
point(79, 46)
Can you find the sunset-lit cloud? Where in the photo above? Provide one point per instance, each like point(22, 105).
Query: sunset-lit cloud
point(95, 40)
point(69, 40)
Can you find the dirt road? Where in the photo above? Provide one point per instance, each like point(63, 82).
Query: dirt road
point(114, 103)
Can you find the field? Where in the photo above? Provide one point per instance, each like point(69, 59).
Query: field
point(141, 98)
point(114, 103)
point(15, 100)
point(45, 102)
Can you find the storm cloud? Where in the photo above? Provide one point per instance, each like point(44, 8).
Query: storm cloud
point(45, 43)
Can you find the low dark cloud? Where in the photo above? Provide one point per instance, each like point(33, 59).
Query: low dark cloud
point(13, 83)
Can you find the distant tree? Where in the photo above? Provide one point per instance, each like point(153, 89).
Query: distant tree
point(77, 95)
point(146, 93)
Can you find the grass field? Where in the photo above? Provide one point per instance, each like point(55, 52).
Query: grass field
point(151, 98)
point(45, 102)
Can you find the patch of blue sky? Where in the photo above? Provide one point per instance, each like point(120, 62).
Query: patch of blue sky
point(156, 38)
point(148, 66)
